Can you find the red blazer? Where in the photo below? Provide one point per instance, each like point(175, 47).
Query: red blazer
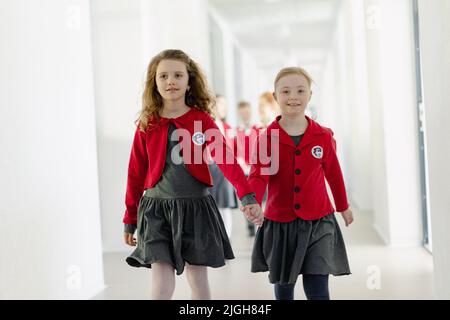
point(297, 188)
point(148, 154)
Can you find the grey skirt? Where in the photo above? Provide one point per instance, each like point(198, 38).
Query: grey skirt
point(222, 190)
point(180, 230)
point(288, 249)
point(178, 221)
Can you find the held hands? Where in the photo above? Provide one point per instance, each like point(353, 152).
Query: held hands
point(253, 213)
point(348, 216)
point(129, 239)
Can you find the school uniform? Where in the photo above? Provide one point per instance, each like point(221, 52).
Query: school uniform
point(300, 234)
point(177, 219)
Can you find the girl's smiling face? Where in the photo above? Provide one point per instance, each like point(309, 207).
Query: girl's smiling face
point(172, 79)
point(292, 93)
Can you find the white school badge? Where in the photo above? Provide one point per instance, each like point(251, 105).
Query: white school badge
point(198, 138)
point(317, 152)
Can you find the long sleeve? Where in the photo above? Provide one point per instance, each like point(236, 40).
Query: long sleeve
point(137, 171)
point(257, 180)
point(333, 174)
point(225, 159)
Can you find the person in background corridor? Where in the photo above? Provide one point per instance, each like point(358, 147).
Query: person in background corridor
point(167, 199)
point(222, 191)
point(268, 109)
point(300, 234)
point(245, 139)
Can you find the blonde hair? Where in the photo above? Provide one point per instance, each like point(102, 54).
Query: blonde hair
point(293, 70)
point(268, 97)
point(198, 96)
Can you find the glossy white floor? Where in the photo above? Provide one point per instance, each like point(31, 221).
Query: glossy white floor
point(378, 272)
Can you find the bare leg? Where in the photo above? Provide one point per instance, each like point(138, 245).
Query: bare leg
point(227, 219)
point(197, 277)
point(163, 281)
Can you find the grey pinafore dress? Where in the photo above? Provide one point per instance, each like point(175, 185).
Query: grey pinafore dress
point(288, 249)
point(178, 220)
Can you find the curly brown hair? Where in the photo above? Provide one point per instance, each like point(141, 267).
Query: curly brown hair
point(198, 96)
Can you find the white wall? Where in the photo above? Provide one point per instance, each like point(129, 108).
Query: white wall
point(228, 44)
point(377, 134)
point(176, 24)
point(252, 84)
point(253, 79)
point(119, 76)
point(394, 82)
point(434, 17)
point(50, 224)
point(338, 108)
point(358, 128)
point(126, 35)
point(368, 99)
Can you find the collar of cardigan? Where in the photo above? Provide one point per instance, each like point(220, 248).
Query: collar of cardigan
point(155, 122)
point(311, 133)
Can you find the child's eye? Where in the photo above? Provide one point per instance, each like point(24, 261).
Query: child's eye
point(285, 91)
point(301, 91)
point(179, 75)
point(163, 76)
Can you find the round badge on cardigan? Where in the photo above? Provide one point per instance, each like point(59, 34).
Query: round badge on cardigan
point(198, 138)
point(317, 152)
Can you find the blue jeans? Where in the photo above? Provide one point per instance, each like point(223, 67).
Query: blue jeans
point(314, 285)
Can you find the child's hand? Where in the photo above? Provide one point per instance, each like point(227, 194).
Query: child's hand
point(348, 216)
point(254, 214)
point(129, 239)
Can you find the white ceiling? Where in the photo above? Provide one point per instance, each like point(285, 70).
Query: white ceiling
point(282, 32)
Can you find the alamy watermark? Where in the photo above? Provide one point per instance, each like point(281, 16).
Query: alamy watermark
point(211, 146)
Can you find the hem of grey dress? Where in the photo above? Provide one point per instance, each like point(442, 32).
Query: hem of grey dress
point(288, 249)
point(138, 263)
point(180, 231)
point(178, 220)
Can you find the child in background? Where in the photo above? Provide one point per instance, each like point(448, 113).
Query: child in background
point(245, 140)
point(268, 109)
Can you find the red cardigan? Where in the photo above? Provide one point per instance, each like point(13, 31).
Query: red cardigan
point(298, 188)
point(148, 154)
